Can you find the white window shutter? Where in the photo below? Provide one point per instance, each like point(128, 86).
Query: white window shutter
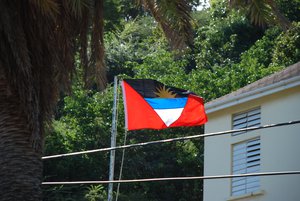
point(246, 159)
point(247, 119)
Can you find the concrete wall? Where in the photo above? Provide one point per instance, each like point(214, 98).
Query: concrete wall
point(280, 148)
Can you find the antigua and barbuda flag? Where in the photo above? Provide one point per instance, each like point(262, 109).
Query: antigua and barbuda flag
point(150, 104)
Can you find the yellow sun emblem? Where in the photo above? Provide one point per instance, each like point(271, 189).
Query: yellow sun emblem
point(163, 92)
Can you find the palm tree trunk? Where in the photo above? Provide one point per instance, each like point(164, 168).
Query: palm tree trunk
point(20, 164)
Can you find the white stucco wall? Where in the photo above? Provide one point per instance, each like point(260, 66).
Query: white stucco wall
point(280, 148)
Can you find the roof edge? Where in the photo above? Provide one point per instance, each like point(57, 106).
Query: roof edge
point(254, 94)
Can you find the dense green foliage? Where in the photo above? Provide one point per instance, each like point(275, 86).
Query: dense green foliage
point(228, 53)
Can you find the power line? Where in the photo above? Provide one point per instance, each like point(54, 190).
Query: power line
point(173, 139)
point(175, 178)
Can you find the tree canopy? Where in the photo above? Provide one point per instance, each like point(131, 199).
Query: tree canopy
point(50, 48)
point(43, 44)
point(228, 52)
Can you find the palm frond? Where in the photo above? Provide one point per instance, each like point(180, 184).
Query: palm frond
point(77, 7)
point(262, 12)
point(46, 7)
point(280, 18)
point(174, 19)
point(239, 3)
point(96, 71)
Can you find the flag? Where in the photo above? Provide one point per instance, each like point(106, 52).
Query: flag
point(153, 105)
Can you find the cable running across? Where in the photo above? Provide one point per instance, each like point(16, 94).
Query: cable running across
point(175, 178)
point(173, 139)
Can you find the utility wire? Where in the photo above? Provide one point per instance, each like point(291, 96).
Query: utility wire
point(173, 139)
point(175, 178)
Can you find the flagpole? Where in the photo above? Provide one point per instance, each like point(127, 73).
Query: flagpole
point(113, 141)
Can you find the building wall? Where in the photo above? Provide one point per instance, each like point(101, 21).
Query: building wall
point(280, 147)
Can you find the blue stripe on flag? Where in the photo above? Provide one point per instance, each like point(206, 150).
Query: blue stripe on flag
point(167, 103)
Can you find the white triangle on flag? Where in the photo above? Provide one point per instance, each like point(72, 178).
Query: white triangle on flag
point(169, 116)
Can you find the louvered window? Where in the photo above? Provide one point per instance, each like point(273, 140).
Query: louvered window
point(246, 159)
point(246, 119)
